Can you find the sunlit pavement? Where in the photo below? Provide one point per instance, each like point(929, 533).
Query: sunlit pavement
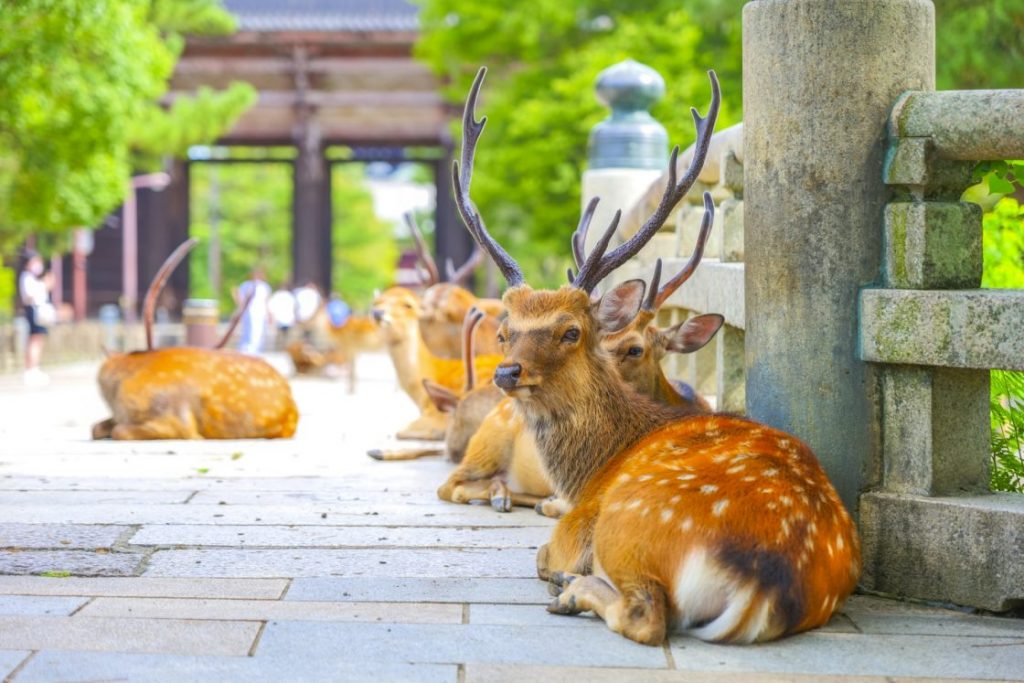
point(305, 560)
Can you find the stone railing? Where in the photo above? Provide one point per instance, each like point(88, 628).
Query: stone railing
point(717, 285)
point(933, 530)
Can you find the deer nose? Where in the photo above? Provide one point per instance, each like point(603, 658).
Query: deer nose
point(507, 376)
point(377, 314)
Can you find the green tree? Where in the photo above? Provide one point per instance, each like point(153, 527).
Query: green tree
point(81, 82)
point(364, 246)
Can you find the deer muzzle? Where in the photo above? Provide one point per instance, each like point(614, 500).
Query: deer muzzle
point(506, 375)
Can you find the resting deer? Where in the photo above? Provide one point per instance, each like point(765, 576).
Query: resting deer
point(466, 410)
point(502, 463)
point(358, 334)
point(445, 304)
point(724, 527)
point(397, 311)
point(192, 393)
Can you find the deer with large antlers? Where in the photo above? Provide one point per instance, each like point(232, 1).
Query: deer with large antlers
point(502, 464)
point(192, 393)
point(724, 527)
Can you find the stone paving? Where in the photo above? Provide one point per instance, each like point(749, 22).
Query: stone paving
point(304, 560)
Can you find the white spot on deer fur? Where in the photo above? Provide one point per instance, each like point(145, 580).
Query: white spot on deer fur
point(712, 433)
point(720, 458)
point(666, 515)
point(767, 490)
point(784, 443)
point(643, 513)
point(839, 541)
point(614, 507)
point(749, 478)
point(771, 505)
point(661, 482)
point(708, 488)
point(736, 469)
point(645, 477)
point(675, 499)
point(785, 528)
point(786, 500)
point(719, 507)
point(740, 458)
point(623, 478)
point(770, 472)
point(633, 505)
point(809, 542)
point(686, 477)
point(686, 524)
point(831, 550)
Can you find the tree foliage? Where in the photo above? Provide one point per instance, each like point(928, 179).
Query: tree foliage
point(82, 81)
point(544, 56)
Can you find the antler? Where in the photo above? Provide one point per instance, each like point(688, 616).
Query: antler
point(433, 277)
point(236, 318)
point(655, 301)
point(159, 280)
point(579, 237)
point(462, 176)
point(598, 266)
point(473, 316)
point(463, 272)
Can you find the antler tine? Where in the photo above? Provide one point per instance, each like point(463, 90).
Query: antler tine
point(579, 238)
point(596, 257)
point(463, 272)
point(462, 175)
point(159, 280)
point(433, 277)
point(698, 252)
point(674, 192)
point(473, 316)
point(650, 301)
point(236, 318)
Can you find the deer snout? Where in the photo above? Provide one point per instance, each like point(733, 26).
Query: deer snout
point(378, 315)
point(506, 375)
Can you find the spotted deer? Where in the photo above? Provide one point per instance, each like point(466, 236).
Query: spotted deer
point(717, 525)
point(466, 410)
point(445, 304)
point(397, 310)
point(502, 463)
point(192, 393)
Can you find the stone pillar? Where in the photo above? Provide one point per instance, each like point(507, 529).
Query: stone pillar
point(819, 80)
point(627, 151)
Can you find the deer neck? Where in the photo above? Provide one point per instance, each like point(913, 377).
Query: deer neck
point(664, 392)
point(580, 429)
point(407, 355)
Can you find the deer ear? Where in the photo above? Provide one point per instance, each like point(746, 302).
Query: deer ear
point(693, 334)
point(618, 307)
point(444, 398)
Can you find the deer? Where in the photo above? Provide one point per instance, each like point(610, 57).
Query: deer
point(502, 463)
point(720, 526)
point(189, 392)
point(358, 334)
point(445, 304)
point(466, 410)
point(397, 311)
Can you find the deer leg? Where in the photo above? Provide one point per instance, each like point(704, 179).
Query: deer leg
point(164, 427)
point(404, 454)
point(103, 429)
point(427, 427)
point(553, 506)
point(637, 613)
point(464, 490)
point(570, 550)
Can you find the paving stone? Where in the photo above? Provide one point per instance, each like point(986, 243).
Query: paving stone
point(340, 536)
point(39, 605)
point(875, 615)
point(172, 636)
point(505, 673)
point(266, 610)
point(87, 497)
point(371, 494)
point(861, 654)
point(528, 615)
point(418, 643)
point(75, 562)
point(9, 661)
point(394, 515)
point(254, 589)
point(470, 562)
point(70, 536)
point(47, 667)
point(417, 589)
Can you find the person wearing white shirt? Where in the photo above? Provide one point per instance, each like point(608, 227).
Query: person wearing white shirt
point(307, 304)
point(282, 310)
point(253, 325)
point(34, 292)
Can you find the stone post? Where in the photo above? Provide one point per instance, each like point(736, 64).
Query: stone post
point(627, 151)
point(819, 80)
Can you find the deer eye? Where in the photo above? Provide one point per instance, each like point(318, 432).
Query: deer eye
point(635, 351)
point(501, 338)
point(571, 335)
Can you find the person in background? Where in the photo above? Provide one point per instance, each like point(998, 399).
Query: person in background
point(337, 310)
point(307, 305)
point(34, 291)
point(253, 325)
point(282, 311)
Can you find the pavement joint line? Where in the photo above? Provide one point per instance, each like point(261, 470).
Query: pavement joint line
point(21, 666)
point(256, 639)
point(465, 612)
point(287, 587)
point(121, 543)
point(190, 497)
point(82, 606)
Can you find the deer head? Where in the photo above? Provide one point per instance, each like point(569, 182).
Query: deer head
point(550, 338)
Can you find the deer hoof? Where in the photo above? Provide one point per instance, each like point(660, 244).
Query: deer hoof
point(564, 606)
point(375, 453)
point(502, 503)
